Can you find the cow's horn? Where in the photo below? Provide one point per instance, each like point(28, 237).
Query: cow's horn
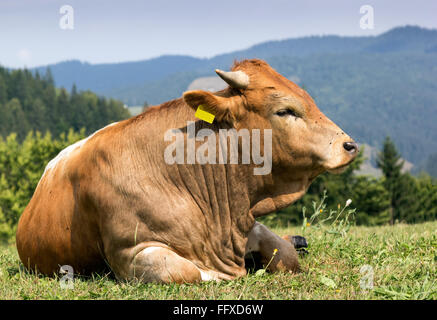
point(236, 79)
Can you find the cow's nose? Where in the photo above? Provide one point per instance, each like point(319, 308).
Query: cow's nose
point(350, 147)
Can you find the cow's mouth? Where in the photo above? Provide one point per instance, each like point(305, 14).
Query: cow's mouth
point(340, 169)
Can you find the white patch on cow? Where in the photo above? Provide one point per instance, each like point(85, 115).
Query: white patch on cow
point(64, 154)
point(205, 275)
point(149, 250)
point(67, 151)
point(208, 275)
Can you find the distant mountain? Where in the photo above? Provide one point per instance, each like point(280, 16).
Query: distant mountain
point(212, 84)
point(428, 165)
point(104, 77)
point(371, 86)
point(109, 76)
point(404, 39)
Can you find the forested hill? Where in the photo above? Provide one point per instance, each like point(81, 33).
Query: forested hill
point(31, 102)
point(371, 86)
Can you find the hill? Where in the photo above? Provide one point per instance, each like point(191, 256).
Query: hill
point(371, 86)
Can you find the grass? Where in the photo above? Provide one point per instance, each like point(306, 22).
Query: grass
point(403, 259)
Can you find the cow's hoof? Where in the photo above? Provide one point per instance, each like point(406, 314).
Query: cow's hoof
point(299, 242)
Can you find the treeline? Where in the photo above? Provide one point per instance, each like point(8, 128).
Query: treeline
point(395, 197)
point(21, 167)
point(32, 102)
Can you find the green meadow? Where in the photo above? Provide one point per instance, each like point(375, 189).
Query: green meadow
point(383, 262)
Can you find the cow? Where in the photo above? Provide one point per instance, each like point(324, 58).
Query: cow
point(112, 200)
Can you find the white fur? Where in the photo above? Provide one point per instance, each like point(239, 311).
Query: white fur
point(205, 275)
point(67, 151)
point(64, 154)
point(208, 276)
point(151, 249)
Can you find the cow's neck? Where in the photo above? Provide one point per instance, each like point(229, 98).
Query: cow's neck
point(277, 192)
point(227, 197)
point(214, 200)
point(223, 197)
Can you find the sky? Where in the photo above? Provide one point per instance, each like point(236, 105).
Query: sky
point(131, 30)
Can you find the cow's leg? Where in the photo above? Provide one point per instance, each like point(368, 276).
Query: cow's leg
point(162, 265)
point(262, 243)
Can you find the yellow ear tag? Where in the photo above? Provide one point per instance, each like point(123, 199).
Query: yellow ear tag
point(204, 115)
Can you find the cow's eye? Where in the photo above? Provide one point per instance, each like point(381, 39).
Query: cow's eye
point(286, 112)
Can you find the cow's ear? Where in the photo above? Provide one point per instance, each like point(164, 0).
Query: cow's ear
point(228, 109)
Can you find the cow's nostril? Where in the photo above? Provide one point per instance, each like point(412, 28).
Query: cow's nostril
point(351, 147)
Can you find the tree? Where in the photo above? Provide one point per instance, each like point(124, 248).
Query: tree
point(48, 77)
point(389, 161)
point(371, 201)
point(427, 198)
point(3, 91)
point(11, 114)
point(73, 90)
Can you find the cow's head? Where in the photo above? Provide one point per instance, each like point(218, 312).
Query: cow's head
point(304, 139)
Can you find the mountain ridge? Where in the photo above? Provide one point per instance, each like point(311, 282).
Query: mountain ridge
point(153, 68)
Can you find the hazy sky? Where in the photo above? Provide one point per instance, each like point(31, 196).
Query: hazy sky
point(115, 31)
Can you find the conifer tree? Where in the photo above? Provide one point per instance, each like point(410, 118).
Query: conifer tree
point(389, 161)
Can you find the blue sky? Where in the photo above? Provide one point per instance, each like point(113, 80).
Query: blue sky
point(116, 31)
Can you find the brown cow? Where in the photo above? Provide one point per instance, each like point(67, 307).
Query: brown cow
point(112, 200)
